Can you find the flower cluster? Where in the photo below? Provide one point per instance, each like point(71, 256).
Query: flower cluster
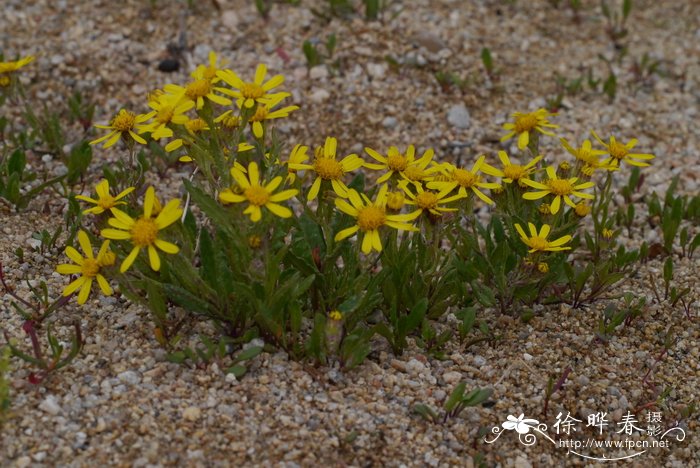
point(408, 191)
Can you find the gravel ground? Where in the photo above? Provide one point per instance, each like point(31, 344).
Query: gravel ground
point(122, 404)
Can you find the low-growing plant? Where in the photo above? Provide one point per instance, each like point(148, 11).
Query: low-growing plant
point(257, 244)
point(457, 402)
point(55, 360)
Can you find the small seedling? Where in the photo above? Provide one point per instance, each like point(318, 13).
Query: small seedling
point(455, 404)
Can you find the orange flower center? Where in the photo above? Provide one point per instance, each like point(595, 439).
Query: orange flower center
point(427, 200)
point(514, 171)
point(257, 195)
point(328, 168)
point(90, 268)
point(198, 89)
point(144, 232)
point(371, 217)
point(396, 161)
point(618, 150)
point(252, 91)
point(165, 114)
point(124, 121)
point(525, 123)
point(106, 202)
point(560, 186)
point(538, 243)
point(465, 178)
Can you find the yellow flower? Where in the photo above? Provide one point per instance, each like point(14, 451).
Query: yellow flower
point(209, 72)
point(538, 241)
point(524, 124)
point(7, 68)
point(327, 167)
point(266, 112)
point(296, 156)
point(370, 217)
point(589, 157)
point(621, 152)
point(395, 200)
point(254, 241)
point(105, 201)
point(12, 66)
point(335, 315)
point(608, 233)
point(427, 200)
point(228, 120)
point(545, 209)
point(560, 188)
point(258, 195)
point(88, 267)
point(248, 93)
point(510, 172)
point(464, 179)
point(198, 90)
point(582, 209)
point(167, 109)
point(124, 125)
point(410, 168)
point(543, 267)
point(143, 231)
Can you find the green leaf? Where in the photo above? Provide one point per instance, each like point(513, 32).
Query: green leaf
point(238, 370)
point(626, 8)
point(218, 214)
point(487, 60)
point(413, 320)
point(476, 397)
point(668, 270)
point(425, 411)
point(455, 397)
point(248, 354)
point(79, 161)
point(17, 162)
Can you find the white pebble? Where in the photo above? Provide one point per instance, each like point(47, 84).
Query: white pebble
point(50, 405)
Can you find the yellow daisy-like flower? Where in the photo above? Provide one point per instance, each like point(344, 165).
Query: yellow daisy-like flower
point(410, 168)
point(105, 201)
point(209, 71)
point(258, 194)
point(328, 168)
point(267, 112)
point(124, 125)
point(371, 216)
point(538, 241)
point(248, 93)
point(427, 200)
point(198, 90)
point(167, 109)
point(525, 123)
point(560, 188)
point(511, 172)
point(298, 155)
point(465, 180)
point(143, 231)
point(12, 66)
point(621, 152)
point(88, 267)
point(589, 158)
point(7, 68)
